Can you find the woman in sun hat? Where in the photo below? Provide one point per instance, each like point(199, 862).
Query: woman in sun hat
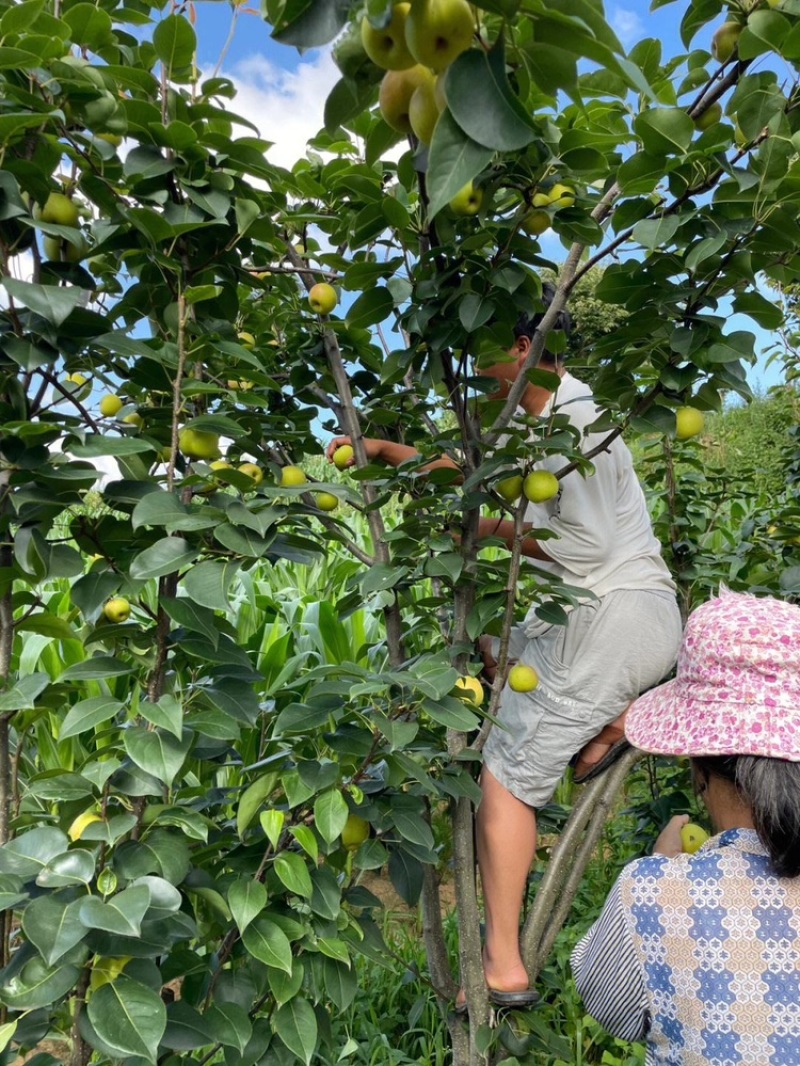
point(699, 954)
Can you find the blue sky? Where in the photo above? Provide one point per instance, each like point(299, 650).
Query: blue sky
point(284, 92)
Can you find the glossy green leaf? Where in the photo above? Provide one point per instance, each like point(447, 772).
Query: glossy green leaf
point(330, 814)
point(455, 159)
point(293, 873)
point(175, 42)
point(164, 557)
point(296, 1025)
point(87, 714)
point(122, 913)
point(156, 752)
point(265, 941)
point(53, 925)
point(246, 900)
point(664, 130)
point(482, 102)
point(128, 1017)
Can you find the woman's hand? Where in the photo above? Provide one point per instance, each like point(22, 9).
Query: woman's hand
point(669, 839)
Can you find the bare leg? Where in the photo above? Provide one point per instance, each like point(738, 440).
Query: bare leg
point(591, 753)
point(506, 848)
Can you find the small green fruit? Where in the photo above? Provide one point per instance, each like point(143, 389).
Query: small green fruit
point(292, 477)
point(355, 832)
point(322, 298)
point(117, 610)
point(540, 485)
point(110, 405)
point(343, 456)
point(692, 837)
point(522, 678)
point(510, 488)
point(688, 422)
point(326, 501)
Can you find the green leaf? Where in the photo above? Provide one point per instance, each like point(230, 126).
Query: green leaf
point(272, 822)
point(330, 814)
point(87, 714)
point(90, 26)
point(96, 669)
point(187, 1029)
point(252, 799)
point(38, 985)
point(18, 18)
point(656, 233)
point(29, 853)
point(24, 693)
point(371, 307)
point(761, 310)
point(129, 1018)
point(75, 867)
point(230, 1024)
point(158, 508)
point(246, 899)
point(184, 612)
point(296, 1024)
point(766, 31)
point(209, 582)
point(164, 557)
point(53, 303)
point(293, 874)
point(268, 943)
point(167, 713)
point(122, 914)
point(7, 1031)
point(310, 24)
point(157, 753)
point(483, 103)
point(664, 130)
point(455, 159)
point(174, 42)
point(53, 925)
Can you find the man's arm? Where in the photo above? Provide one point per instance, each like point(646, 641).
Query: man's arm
point(388, 451)
point(505, 530)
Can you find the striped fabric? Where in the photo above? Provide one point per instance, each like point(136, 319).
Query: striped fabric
point(700, 956)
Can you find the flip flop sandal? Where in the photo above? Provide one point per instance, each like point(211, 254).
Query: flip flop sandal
point(617, 749)
point(519, 1000)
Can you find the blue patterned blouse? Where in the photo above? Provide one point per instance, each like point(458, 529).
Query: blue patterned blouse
point(699, 955)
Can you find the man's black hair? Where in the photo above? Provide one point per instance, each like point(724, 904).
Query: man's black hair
point(527, 324)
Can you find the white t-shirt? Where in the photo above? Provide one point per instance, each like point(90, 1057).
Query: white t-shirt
point(605, 537)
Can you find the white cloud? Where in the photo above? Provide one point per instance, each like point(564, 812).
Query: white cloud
point(627, 25)
point(286, 105)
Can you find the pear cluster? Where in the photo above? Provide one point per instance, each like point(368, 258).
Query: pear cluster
point(415, 48)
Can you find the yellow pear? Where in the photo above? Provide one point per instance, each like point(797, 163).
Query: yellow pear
point(322, 298)
point(394, 98)
point(688, 422)
point(292, 477)
point(387, 48)
point(522, 678)
point(439, 30)
point(467, 201)
point(423, 111)
point(198, 444)
point(540, 485)
point(470, 690)
point(724, 41)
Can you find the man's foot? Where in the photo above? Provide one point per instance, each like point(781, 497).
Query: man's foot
point(507, 989)
point(602, 751)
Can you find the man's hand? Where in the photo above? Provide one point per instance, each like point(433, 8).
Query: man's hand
point(372, 447)
point(669, 839)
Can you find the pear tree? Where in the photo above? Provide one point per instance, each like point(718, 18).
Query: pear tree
point(190, 790)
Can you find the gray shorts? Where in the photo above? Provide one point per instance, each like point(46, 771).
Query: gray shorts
point(590, 669)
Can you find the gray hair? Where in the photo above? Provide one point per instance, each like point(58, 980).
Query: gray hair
point(771, 789)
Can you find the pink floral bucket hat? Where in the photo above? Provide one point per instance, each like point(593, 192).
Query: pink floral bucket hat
point(737, 684)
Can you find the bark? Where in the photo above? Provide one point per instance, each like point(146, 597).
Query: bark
point(568, 863)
